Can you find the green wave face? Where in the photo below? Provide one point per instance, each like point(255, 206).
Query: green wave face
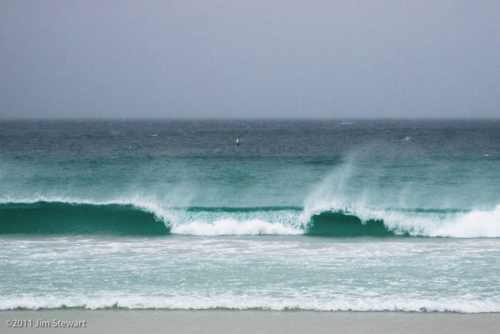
point(61, 218)
point(66, 218)
point(336, 224)
point(53, 218)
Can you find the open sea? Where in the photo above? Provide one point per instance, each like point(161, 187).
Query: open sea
point(330, 215)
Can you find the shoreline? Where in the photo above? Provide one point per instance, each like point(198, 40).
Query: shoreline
point(247, 321)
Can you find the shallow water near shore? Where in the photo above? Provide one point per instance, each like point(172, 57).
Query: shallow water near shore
point(248, 272)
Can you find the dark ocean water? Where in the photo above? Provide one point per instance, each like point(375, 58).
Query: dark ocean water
point(322, 215)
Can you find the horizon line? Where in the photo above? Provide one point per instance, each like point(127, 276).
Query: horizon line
point(399, 118)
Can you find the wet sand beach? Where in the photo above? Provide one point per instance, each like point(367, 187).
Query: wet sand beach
point(248, 321)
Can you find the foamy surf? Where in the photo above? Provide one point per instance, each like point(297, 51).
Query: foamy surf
point(231, 302)
point(234, 227)
point(438, 223)
point(474, 224)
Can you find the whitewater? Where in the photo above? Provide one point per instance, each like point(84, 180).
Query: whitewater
point(377, 216)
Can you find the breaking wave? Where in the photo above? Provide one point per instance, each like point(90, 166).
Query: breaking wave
point(81, 218)
point(136, 218)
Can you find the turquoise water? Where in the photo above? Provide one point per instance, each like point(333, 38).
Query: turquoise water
point(317, 215)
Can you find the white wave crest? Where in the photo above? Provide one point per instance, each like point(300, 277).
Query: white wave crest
point(234, 227)
point(390, 303)
point(438, 223)
point(474, 224)
point(183, 221)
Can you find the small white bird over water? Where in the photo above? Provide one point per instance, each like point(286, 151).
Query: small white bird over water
point(238, 141)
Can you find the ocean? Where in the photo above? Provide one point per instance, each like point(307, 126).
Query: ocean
point(326, 215)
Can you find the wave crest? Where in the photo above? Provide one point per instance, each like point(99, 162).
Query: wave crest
point(145, 218)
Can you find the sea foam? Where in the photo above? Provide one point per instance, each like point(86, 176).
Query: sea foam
point(391, 303)
point(234, 227)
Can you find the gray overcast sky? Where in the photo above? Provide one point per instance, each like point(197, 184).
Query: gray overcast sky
point(242, 59)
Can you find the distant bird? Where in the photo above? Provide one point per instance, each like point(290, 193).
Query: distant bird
point(238, 141)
